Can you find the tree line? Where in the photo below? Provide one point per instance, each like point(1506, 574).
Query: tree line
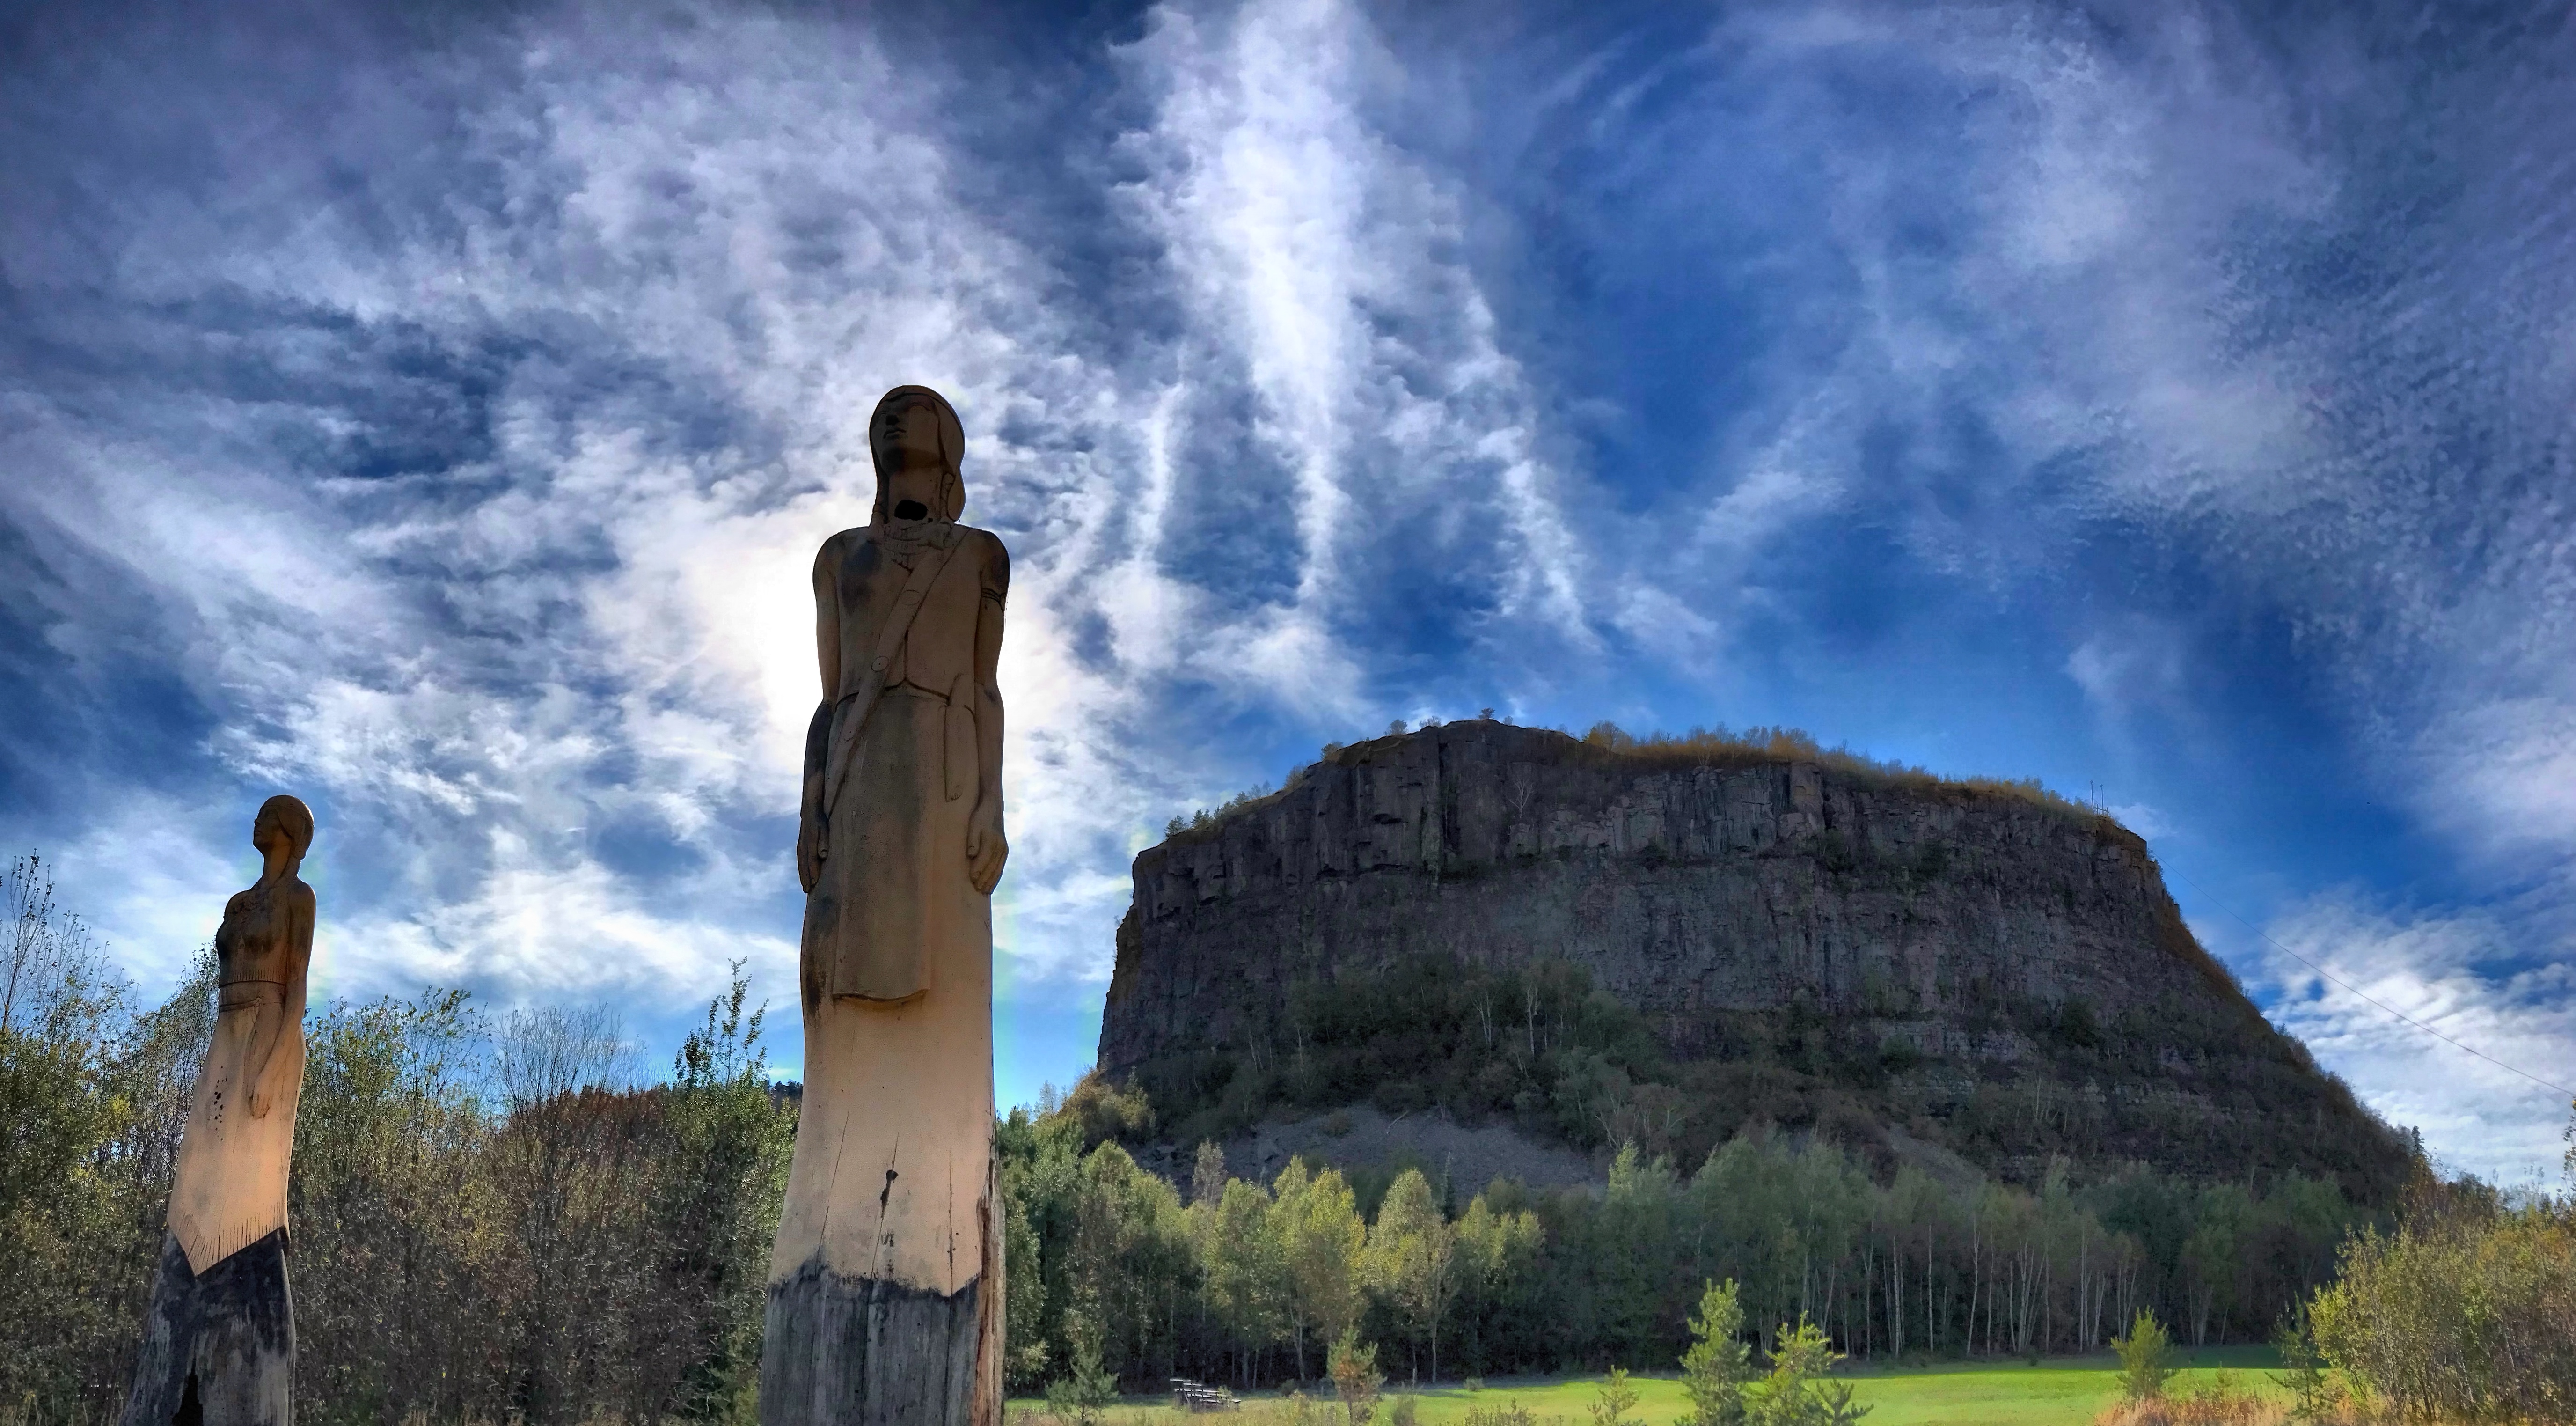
point(494, 1216)
point(1229, 1278)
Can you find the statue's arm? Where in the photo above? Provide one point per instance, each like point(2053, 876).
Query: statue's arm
point(986, 848)
point(811, 847)
point(827, 617)
point(272, 1028)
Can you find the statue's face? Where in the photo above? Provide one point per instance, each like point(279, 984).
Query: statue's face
point(266, 835)
point(907, 434)
point(907, 451)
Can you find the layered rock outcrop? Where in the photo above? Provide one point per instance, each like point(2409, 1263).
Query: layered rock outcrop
point(1942, 939)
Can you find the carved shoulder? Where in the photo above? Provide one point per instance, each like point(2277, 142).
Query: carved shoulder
point(827, 560)
point(995, 562)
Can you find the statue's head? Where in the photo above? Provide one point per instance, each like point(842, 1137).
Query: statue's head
point(918, 445)
point(283, 821)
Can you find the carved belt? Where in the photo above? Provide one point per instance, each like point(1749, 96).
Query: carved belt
point(243, 994)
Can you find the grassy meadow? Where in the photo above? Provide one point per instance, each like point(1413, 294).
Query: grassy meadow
point(2059, 1391)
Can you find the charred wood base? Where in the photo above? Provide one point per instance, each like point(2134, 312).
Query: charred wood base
point(864, 1352)
point(218, 1350)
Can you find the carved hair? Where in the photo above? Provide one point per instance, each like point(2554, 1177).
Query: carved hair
point(952, 451)
point(294, 819)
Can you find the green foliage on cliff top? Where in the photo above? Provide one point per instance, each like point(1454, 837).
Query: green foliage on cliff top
point(1724, 747)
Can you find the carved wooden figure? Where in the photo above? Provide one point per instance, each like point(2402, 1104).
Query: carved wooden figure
point(219, 1338)
point(885, 1289)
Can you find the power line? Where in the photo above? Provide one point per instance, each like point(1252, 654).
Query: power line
point(2359, 993)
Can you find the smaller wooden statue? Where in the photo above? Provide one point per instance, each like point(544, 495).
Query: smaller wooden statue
point(219, 1339)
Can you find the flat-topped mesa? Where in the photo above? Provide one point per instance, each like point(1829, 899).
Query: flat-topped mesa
point(1682, 888)
point(1884, 941)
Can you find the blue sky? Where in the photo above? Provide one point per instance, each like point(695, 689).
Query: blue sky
point(437, 418)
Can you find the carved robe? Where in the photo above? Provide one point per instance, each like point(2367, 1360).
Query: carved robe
point(890, 1236)
point(228, 1188)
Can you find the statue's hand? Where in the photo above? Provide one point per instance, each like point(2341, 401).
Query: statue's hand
point(258, 1105)
point(809, 851)
point(985, 848)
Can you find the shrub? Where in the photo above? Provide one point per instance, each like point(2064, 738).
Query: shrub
point(1613, 1399)
point(1109, 1111)
point(1795, 1392)
point(2146, 1358)
point(2221, 1403)
point(2302, 1367)
point(2467, 1315)
point(1835, 1399)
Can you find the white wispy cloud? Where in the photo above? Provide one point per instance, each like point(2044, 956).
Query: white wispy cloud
point(1321, 259)
point(2462, 974)
point(2136, 673)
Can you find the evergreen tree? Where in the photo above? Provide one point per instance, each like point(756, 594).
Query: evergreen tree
point(1717, 1365)
point(1356, 1378)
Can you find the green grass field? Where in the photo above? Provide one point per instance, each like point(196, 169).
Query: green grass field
point(2065, 1391)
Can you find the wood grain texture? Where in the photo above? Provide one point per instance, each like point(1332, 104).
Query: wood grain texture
point(870, 1352)
point(218, 1346)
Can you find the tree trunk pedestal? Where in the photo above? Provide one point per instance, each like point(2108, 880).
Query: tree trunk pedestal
point(842, 1351)
point(218, 1349)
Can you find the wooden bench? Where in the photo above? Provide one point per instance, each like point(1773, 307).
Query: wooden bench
point(1192, 1396)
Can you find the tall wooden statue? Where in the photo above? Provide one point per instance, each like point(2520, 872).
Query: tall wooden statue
point(885, 1290)
point(219, 1338)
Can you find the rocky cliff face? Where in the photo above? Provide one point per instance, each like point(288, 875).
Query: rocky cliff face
point(1820, 938)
